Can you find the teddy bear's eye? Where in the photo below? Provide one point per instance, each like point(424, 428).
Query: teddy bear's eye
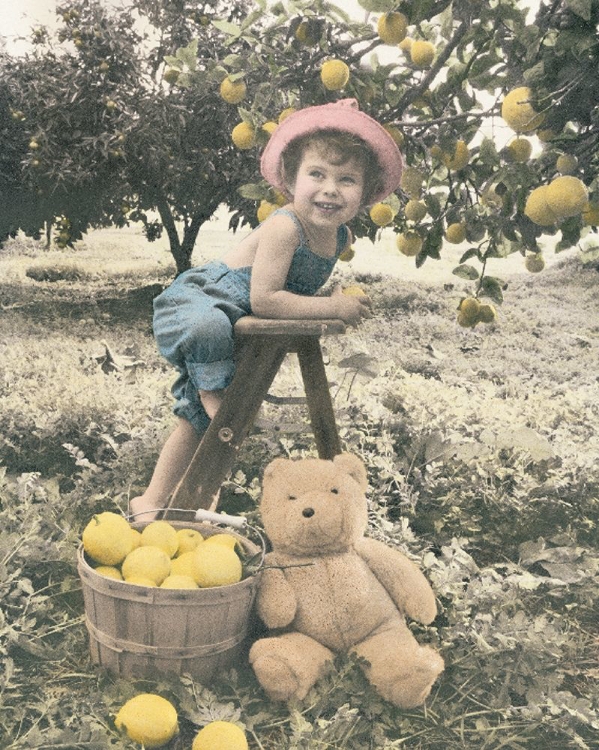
point(292, 497)
point(335, 491)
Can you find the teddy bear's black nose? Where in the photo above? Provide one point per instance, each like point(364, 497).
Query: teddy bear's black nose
point(308, 512)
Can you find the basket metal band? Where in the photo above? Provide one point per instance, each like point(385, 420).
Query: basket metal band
point(165, 652)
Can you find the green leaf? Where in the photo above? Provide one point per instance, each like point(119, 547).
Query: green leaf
point(231, 29)
point(466, 271)
point(582, 8)
point(378, 6)
point(253, 191)
point(493, 288)
point(189, 55)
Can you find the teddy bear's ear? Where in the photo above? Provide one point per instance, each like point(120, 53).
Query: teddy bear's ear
point(274, 466)
point(353, 466)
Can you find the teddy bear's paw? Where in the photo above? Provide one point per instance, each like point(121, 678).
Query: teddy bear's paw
point(412, 688)
point(277, 678)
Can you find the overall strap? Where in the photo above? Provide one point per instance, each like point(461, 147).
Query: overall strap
point(296, 221)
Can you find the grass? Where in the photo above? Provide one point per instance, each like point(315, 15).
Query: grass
point(481, 447)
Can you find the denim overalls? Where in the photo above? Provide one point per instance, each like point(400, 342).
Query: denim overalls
point(195, 315)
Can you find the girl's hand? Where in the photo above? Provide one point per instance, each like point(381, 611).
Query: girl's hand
point(350, 308)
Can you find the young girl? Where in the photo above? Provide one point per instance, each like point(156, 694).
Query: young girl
point(330, 161)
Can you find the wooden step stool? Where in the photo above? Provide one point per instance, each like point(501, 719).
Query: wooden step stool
point(262, 345)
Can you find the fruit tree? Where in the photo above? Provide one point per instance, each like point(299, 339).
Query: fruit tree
point(493, 103)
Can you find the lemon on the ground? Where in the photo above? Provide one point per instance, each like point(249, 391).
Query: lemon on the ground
point(517, 111)
point(347, 255)
point(220, 735)
point(228, 540)
point(409, 243)
point(354, 291)
point(148, 719)
point(188, 540)
point(566, 164)
point(392, 27)
point(415, 210)
point(183, 564)
point(590, 214)
point(381, 214)
point(243, 136)
point(519, 150)
point(456, 232)
point(534, 262)
point(487, 313)
point(567, 196)
point(107, 538)
point(334, 74)
point(178, 582)
point(215, 565)
point(161, 534)
point(537, 208)
point(285, 114)
point(396, 134)
point(148, 562)
point(233, 92)
point(109, 571)
point(422, 53)
point(458, 158)
point(411, 181)
point(264, 210)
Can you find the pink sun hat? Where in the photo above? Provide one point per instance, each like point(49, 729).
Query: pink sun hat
point(342, 115)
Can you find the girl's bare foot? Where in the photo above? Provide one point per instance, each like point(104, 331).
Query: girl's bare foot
point(211, 401)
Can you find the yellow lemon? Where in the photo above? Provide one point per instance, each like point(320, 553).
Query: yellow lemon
point(347, 255)
point(216, 565)
point(264, 210)
point(270, 127)
point(228, 540)
point(396, 134)
point(178, 582)
point(468, 312)
point(280, 198)
point(243, 136)
point(109, 571)
point(285, 114)
point(415, 210)
point(139, 580)
point(304, 33)
point(354, 291)
point(567, 196)
point(183, 565)
point(381, 214)
point(149, 562)
point(334, 74)
point(459, 158)
point(411, 181)
point(406, 44)
point(537, 208)
point(566, 164)
point(148, 719)
point(546, 134)
point(107, 538)
point(517, 111)
point(162, 535)
point(519, 150)
point(188, 540)
point(233, 92)
point(422, 53)
point(392, 27)
point(409, 243)
point(590, 214)
point(487, 313)
point(534, 262)
point(456, 233)
point(135, 538)
point(220, 735)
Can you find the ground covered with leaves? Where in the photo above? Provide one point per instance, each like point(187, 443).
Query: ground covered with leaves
point(481, 447)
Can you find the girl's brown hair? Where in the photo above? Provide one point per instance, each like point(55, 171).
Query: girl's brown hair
point(340, 148)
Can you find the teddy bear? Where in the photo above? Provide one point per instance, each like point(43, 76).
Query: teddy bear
point(326, 588)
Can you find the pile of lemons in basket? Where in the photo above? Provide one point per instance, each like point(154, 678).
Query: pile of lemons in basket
point(160, 554)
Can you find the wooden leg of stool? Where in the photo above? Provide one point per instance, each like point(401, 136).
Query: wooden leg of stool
point(320, 405)
point(218, 450)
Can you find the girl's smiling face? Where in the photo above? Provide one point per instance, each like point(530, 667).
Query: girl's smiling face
point(327, 191)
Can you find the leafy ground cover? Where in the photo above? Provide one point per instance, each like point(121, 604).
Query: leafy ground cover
point(481, 447)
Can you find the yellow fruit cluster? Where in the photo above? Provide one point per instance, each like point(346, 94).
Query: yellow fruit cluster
point(565, 196)
point(471, 312)
point(160, 555)
point(152, 721)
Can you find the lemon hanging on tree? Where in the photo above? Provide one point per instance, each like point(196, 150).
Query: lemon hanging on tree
point(518, 112)
point(392, 27)
point(334, 74)
point(381, 214)
point(409, 243)
point(243, 136)
point(537, 209)
point(233, 92)
point(422, 53)
point(567, 196)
